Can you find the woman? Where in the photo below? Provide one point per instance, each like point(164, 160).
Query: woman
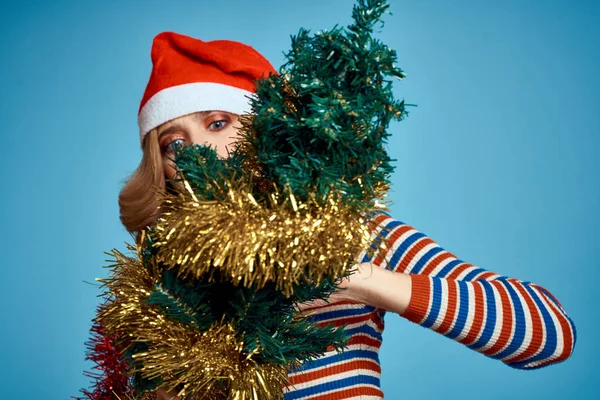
point(194, 96)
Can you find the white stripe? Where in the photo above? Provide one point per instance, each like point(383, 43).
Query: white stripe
point(363, 346)
point(560, 336)
point(461, 276)
point(513, 321)
point(391, 250)
point(415, 243)
point(533, 364)
point(353, 346)
point(489, 278)
point(443, 304)
point(456, 309)
point(442, 264)
point(342, 389)
point(528, 328)
point(374, 235)
point(397, 243)
point(467, 271)
point(339, 375)
point(334, 353)
point(484, 316)
point(544, 329)
point(368, 322)
point(560, 310)
point(554, 301)
point(470, 313)
point(177, 101)
point(498, 324)
point(419, 256)
point(363, 323)
point(334, 307)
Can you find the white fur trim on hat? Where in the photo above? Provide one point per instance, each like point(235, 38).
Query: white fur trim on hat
point(177, 101)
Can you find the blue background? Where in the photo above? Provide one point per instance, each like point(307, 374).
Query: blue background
point(498, 164)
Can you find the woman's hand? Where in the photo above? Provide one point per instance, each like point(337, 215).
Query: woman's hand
point(162, 394)
point(370, 285)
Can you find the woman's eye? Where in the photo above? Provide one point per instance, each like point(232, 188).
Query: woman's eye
point(170, 147)
point(215, 126)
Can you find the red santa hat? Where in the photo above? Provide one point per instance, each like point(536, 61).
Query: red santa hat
point(190, 75)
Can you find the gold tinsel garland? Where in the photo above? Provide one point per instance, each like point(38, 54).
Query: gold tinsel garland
point(285, 241)
point(207, 364)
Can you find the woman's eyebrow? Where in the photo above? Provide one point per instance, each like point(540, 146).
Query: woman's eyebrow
point(173, 128)
point(200, 115)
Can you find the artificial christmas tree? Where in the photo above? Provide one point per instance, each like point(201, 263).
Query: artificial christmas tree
point(207, 303)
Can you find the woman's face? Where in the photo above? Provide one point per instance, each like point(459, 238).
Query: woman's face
point(215, 128)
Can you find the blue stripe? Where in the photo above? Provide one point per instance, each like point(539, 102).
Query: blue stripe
point(436, 299)
point(419, 265)
point(471, 275)
point(551, 334)
point(520, 323)
point(342, 356)
point(369, 215)
point(448, 268)
point(547, 296)
point(490, 320)
point(351, 312)
point(401, 250)
point(389, 227)
point(462, 311)
point(385, 231)
point(365, 329)
point(574, 331)
point(341, 384)
point(374, 213)
point(367, 258)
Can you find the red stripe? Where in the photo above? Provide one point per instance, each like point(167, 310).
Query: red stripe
point(451, 310)
point(308, 376)
point(348, 393)
point(420, 297)
point(389, 242)
point(324, 307)
point(456, 271)
point(360, 341)
point(381, 218)
point(537, 328)
point(433, 263)
point(478, 315)
point(485, 276)
point(547, 293)
point(565, 326)
point(364, 340)
point(353, 320)
point(507, 317)
point(411, 255)
point(377, 222)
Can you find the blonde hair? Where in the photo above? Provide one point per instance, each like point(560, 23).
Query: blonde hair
point(139, 200)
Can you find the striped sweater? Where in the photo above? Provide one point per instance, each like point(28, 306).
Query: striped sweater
point(519, 323)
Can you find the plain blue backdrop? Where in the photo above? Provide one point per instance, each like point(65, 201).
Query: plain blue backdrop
point(498, 164)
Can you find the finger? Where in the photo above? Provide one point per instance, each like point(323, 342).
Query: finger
point(311, 304)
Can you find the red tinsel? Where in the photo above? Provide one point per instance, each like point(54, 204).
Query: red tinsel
point(111, 381)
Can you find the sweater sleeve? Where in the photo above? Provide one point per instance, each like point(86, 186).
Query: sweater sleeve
point(520, 323)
